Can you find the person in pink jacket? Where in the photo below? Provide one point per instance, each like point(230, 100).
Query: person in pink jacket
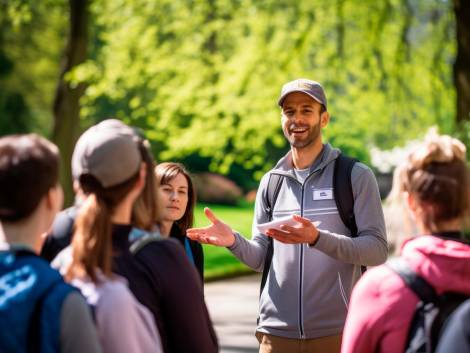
point(435, 184)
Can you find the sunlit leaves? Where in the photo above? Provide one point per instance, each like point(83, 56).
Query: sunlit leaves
point(202, 77)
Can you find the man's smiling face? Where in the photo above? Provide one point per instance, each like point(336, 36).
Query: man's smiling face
point(302, 119)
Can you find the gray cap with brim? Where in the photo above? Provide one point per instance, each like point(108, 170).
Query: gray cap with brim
point(309, 87)
point(108, 151)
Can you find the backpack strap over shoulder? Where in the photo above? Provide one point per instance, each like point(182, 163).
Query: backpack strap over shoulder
point(431, 312)
point(343, 193)
point(141, 242)
point(272, 192)
point(415, 282)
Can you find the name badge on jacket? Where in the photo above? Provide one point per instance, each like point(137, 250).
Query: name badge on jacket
point(323, 194)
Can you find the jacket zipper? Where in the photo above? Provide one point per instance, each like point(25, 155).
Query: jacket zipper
point(301, 267)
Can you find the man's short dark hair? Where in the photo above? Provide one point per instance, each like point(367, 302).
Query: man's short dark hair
point(29, 168)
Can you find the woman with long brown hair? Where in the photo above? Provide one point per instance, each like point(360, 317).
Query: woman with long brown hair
point(176, 199)
point(109, 165)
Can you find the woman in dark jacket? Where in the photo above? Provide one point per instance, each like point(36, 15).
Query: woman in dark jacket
point(175, 209)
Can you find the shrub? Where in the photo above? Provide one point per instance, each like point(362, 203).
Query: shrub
point(215, 188)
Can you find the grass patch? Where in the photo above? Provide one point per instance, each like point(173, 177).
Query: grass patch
point(218, 261)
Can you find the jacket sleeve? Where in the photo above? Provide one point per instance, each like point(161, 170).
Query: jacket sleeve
point(369, 248)
point(252, 252)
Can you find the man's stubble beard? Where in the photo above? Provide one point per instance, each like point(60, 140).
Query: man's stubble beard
point(313, 135)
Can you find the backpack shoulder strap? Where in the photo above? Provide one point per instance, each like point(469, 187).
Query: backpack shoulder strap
point(272, 192)
point(142, 241)
point(415, 282)
point(342, 191)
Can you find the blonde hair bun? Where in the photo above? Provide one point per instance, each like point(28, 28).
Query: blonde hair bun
point(437, 148)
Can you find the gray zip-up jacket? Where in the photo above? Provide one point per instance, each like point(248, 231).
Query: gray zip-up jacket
point(308, 288)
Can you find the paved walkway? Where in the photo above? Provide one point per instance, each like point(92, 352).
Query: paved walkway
point(233, 306)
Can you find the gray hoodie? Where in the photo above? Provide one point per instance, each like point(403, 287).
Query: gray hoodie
point(308, 288)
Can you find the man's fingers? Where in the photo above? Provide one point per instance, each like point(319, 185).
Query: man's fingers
point(201, 230)
point(280, 237)
point(202, 237)
point(194, 235)
point(304, 221)
point(210, 215)
point(277, 233)
point(288, 235)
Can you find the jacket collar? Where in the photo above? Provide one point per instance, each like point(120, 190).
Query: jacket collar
point(285, 166)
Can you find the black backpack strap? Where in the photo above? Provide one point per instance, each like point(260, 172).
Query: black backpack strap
point(415, 282)
point(272, 192)
point(342, 191)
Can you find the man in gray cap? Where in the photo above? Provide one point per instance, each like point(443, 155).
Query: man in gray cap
point(309, 271)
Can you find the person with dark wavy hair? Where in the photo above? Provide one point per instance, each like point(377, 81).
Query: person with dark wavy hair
point(435, 184)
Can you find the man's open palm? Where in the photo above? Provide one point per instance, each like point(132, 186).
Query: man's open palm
point(218, 233)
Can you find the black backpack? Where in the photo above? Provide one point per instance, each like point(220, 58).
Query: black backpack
point(431, 311)
point(343, 195)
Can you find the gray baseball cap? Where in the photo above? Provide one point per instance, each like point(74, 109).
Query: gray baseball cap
point(309, 87)
point(108, 151)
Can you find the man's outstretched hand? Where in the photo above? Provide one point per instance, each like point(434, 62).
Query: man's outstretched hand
point(218, 233)
point(304, 232)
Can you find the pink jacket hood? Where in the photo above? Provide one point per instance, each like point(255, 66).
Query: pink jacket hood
point(445, 264)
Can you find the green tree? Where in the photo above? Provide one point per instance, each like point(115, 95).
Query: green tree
point(201, 77)
point(30, 48)
point(66, 105)
point(462, 68)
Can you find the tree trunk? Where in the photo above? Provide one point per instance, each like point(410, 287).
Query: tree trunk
point(462, 62)
point(67, 99)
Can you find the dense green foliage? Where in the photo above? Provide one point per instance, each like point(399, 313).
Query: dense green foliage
point(31, 44)
point(202, 77)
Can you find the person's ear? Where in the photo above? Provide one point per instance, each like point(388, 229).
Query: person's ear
point(55, 198)
point(410, 201)
point(410, 206)
point(324, 119)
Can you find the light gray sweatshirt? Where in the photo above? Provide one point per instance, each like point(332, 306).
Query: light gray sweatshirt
point(308, 288)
